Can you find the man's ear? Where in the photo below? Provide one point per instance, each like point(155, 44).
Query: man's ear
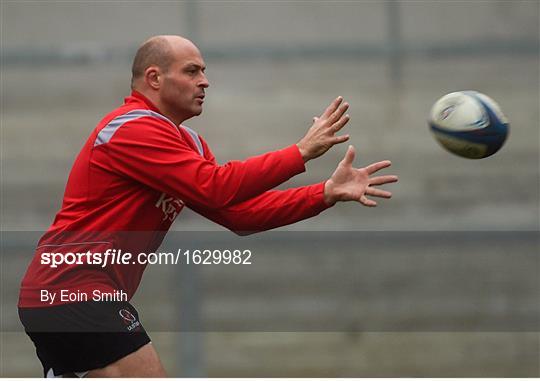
point(153, 77)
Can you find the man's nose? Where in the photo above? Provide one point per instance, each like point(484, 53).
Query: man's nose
point(204, 82)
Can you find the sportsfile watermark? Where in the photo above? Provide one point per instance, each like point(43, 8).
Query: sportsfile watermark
point(118, 257)
point(293, 281)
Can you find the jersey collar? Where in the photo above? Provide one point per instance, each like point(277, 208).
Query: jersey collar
point(137, 97)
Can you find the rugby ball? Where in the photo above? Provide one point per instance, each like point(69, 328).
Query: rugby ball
point(469, 124)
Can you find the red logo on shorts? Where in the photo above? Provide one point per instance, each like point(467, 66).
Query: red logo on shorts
point(130, 320)
point(127, 316)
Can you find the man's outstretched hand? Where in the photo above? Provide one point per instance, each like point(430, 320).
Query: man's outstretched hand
point(320, 137)
point(354, 184)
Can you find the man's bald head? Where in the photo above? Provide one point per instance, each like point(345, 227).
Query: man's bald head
point(159, 51)
point(169, 72)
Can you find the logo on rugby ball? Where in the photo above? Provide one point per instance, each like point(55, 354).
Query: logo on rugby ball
point(447, 111)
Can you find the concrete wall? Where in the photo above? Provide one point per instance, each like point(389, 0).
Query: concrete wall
point(247, 22)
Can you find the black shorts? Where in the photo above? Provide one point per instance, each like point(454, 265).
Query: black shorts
point(79, 337)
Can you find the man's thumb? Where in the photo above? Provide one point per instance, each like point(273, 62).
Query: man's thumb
point(349, 156)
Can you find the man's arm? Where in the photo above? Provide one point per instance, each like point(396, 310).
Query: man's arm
point(152, 152)
point(273, 209)
point(269, 210)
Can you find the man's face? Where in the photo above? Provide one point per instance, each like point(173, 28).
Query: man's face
point(184, 84)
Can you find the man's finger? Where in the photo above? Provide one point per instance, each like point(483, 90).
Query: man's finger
point(340, 123)
point(338, 113)
point(332, 107)
point(372, 168)
point(349, 156)
point(340, 139)
point(367, 202)
point(378, 192)
point(379, 180)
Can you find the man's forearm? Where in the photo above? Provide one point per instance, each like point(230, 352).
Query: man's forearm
point(270, 210)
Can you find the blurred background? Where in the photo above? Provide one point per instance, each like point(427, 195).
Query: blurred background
point(272, 66)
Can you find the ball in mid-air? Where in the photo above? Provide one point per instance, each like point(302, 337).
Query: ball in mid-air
point(468, 124)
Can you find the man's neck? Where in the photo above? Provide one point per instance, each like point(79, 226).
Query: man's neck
point(153, 98)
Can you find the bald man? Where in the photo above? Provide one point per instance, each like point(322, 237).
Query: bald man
point(137, 171)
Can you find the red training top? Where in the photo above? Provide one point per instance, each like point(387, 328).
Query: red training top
point(135, 173)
